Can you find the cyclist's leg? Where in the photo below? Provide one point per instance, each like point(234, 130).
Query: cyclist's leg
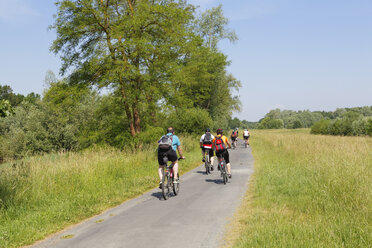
point(203, 154)
point(211, 155)
point(161, 163)
point(227, 160)
point(172, 156)
point(218, 155)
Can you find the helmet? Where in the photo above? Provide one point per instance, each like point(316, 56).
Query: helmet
point(207, 130)
point(219, 131)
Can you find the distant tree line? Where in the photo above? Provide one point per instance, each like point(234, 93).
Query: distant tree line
point(242, 124)
point(289, 119)
point(343, 121)
point(159, 61)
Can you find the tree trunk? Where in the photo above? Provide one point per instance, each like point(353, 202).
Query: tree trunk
point(136, 118)
point(128, 113)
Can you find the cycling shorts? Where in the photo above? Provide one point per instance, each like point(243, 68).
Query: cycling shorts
point(233, 138)
point(246, 137)
point(211, 152)
point(171, 155)
point(225, 155)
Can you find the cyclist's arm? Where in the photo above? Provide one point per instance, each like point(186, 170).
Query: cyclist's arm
point(179, 149)
point(228, 143)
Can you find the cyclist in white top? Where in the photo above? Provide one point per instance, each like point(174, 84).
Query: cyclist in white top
point(246, 135)
point(206, 144)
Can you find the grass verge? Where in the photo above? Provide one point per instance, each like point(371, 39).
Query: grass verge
point(42, 195)
point(306, 191)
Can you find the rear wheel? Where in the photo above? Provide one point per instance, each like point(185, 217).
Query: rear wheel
point(224, 174)
point(207, 166)
point(165, 186)
point(176, 186)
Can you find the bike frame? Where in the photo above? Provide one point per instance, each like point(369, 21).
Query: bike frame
point(168, 174)
point(222, 165)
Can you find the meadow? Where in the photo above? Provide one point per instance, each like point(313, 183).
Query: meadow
point(43, 194)
point(306, 191)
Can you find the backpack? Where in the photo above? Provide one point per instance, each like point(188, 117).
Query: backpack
point(207, 139)
point(219, 144)
point(165, 142)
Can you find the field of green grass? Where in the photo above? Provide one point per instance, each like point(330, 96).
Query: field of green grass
point(42, 195)
point(306, 191)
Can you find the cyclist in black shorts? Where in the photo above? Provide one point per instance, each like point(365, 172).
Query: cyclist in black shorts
point(246, 135)
point(168, 144)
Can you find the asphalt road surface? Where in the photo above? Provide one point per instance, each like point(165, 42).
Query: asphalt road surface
point(197, 217)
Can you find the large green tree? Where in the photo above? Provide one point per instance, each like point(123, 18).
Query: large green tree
point(129, 45)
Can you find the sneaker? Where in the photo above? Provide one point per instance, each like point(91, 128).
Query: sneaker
point(175, 181)
point(160, 185)
point(229, 175)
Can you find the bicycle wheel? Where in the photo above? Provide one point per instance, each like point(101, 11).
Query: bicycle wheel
point(224, 174)
point(165, 186)
point(176, 186)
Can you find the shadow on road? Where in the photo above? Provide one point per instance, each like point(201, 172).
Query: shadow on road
point(216, 181)
point(158, 195)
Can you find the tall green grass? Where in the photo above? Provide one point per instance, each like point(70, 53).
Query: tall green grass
point(306, 191)
point(41, 195)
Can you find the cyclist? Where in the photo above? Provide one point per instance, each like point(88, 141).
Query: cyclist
point(246, 135)
point(234, 136)
point(168, 144)
point(222, 152)
point(206, 141)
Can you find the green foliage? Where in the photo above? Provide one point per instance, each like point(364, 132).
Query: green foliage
point(321, 127)
point(269, 123)
point(212, 26)
point(295, 119)
point(6, 93)
point(192, 121)
point(350, 122)
point(235, 123)
point(6, 108)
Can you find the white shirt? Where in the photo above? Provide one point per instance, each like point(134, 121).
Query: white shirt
point(246, 133)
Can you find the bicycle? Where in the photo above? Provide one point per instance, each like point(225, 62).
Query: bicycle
point(208, 165)
point(233, 143)
point(246, 142)
point(167, 184)
point(222, 166)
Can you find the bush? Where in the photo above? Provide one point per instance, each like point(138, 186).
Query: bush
point(192, 121)
point(268, 123)
point(321, 127)
point(369, 127)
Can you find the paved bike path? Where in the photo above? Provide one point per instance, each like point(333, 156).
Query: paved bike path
point(197, 217)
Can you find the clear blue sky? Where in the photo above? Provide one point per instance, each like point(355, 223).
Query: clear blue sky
point(291, 54)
